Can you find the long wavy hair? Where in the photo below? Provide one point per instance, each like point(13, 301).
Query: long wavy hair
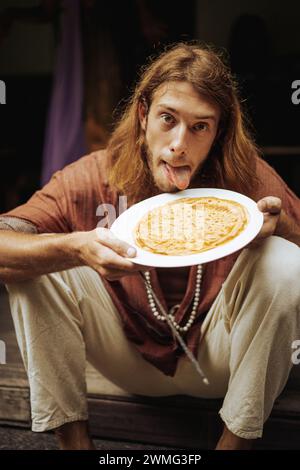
point(231, 161)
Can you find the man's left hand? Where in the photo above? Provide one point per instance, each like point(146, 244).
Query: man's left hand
point(270, 206)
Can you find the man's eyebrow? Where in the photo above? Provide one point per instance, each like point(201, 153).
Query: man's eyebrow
point(173, 110)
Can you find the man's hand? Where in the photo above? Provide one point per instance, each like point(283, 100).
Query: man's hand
point(105, 253)
point(270, 206)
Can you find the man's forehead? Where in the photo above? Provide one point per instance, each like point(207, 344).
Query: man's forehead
point(179, 96)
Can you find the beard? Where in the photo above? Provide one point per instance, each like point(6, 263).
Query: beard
point(159, 185)
point(155, 186)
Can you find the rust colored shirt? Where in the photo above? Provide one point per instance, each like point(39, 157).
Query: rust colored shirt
point(69, 203)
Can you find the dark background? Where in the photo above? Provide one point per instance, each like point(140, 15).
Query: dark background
point(261, 37)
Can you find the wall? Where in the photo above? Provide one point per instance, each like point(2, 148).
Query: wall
point(29, 49)
point(215, 17)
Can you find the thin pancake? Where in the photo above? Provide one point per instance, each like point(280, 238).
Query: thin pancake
point(190, 225)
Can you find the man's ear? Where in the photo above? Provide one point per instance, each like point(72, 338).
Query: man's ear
point(143, 112)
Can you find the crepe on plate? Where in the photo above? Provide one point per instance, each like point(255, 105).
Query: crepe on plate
point(190, 225)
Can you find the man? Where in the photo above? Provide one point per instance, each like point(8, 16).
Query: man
point(182, 128)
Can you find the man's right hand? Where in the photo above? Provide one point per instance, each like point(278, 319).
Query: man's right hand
point(105, 253)
point(26, 255)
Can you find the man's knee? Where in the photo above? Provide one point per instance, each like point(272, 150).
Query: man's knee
point(24, 286)
point(38, 286)
point(44, 280)
point(278, 264)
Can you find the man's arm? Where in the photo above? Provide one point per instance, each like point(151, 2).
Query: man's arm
point(287, 228)
point(25, 255)
point(276, 222)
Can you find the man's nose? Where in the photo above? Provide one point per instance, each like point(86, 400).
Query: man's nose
point(178, 145)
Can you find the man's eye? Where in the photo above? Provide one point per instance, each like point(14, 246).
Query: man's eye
point(202, 126)
point(167, 118)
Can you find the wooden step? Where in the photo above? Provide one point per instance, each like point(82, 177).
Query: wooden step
point(178, 421)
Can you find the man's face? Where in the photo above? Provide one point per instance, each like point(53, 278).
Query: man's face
point(180, 128)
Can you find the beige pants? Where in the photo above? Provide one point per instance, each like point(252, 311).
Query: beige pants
point(64, 318)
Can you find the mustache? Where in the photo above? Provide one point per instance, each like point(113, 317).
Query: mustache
point(175, 161)
point(175, 164)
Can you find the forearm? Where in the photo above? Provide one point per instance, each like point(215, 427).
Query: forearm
point(24, 256)
point(287, 228)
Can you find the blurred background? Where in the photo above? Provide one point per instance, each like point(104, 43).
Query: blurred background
point(69, 65)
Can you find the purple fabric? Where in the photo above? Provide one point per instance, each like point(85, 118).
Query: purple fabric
point(64, 141)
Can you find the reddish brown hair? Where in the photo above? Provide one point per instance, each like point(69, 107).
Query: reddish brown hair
point(230, 163)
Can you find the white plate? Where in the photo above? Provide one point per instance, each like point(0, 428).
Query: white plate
point(124, 225)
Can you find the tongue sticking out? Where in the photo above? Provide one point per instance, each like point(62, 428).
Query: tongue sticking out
point(180, 176)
